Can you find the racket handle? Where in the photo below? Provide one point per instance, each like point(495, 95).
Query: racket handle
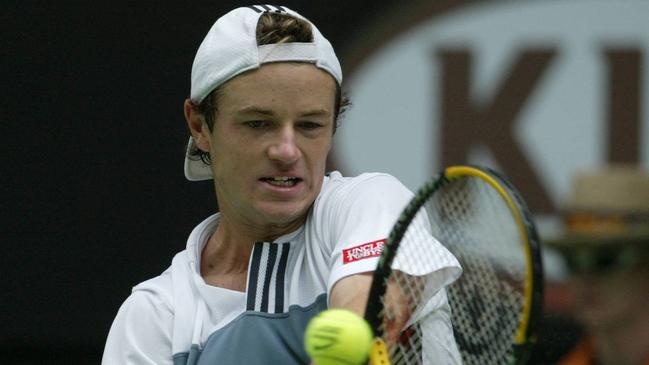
point(379, 353)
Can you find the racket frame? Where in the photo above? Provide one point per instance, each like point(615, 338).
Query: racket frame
point(525, 336)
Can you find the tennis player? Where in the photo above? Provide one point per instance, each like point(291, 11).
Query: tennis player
point(607, 249)
point(289, 240)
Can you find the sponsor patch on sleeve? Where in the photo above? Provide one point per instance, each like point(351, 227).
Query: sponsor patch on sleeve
point(364, 251)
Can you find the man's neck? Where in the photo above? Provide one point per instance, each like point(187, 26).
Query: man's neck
point(226, 255)
point(226, 252)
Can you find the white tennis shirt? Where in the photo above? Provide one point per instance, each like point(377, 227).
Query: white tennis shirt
point(176, 318)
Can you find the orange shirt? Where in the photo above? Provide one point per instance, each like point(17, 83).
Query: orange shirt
point(582, 354)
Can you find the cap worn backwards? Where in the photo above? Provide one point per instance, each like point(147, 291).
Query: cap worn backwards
point(230, 48)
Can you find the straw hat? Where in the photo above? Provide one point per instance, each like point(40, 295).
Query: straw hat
point(607, 211)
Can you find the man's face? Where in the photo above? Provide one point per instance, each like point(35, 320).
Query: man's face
point(272, 133)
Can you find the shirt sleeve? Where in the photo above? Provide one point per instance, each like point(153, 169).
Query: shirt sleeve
point(360, 219)
point(141, 332)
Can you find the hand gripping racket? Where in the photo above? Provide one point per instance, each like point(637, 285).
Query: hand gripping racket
point(495, 304)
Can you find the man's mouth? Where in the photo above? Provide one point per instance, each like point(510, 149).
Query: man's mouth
point(283, 181)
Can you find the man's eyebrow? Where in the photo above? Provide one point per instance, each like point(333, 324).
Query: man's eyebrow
point(316, 113)
point(255, 110)
point(258, 110)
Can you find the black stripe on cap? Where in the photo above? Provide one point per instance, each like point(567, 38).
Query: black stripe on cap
point(268, 8)
point(279, 8)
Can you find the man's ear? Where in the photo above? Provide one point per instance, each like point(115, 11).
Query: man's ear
point(197, 126)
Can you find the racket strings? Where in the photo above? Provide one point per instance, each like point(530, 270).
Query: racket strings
point(408, 292)
point(488, 298)
point(400, 303)
point(470, 219)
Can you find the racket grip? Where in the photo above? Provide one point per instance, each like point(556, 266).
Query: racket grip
point(379, 353)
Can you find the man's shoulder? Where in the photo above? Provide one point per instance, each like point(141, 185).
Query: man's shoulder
point(336, 182)
point(159, 287)
point(339, 187)
point(339, 193)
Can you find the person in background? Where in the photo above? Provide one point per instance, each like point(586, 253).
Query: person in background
point(606, 248)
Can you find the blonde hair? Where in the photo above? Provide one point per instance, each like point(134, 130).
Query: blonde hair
point(282, 28)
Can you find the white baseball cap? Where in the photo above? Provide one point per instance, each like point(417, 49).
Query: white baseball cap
point(230, 48)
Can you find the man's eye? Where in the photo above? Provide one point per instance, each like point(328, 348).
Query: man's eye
point(310, 125)
point(256, 124)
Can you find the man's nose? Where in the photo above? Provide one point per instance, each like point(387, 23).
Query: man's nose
point(284, 149)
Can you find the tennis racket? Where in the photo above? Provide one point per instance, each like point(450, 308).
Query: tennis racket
point(495, 305)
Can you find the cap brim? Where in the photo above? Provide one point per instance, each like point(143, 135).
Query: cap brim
point(195, 168)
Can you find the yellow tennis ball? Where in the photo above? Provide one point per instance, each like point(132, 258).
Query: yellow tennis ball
point(337, 337)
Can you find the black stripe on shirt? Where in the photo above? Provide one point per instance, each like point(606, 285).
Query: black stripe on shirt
point(253, 273)
point(279, 282)
point(270, 265)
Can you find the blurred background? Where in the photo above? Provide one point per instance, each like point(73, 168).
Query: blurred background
point(94, 198)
